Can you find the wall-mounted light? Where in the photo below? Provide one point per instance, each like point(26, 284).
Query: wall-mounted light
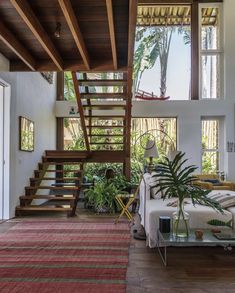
point(57, 32)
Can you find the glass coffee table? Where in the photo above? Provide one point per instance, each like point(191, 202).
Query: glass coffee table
point(209, 239)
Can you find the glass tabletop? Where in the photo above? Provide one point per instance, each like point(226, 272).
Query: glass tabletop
point(208, 238)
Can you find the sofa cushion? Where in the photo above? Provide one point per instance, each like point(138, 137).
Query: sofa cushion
point(225, 198)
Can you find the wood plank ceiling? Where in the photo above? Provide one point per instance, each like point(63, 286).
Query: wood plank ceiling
point(93, 37)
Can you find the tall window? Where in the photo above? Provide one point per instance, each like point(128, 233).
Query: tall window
point(210, 146)
point(211, 51)
point(168, 37)
point(162, 31)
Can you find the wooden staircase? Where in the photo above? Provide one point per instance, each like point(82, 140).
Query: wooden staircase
point(102, 105)
point(57, 181)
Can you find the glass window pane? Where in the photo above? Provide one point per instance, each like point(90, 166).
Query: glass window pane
point(210, 28)
point(69, 93)
point(210, 134)
point(210, 67)
point(163, 130)
point(73, 134)
point(162, 31)
point(210, 162)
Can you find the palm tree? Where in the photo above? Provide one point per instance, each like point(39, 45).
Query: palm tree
point(154, 43)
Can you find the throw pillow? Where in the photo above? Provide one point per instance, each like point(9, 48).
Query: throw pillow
point(226, 200)
point(213, 181)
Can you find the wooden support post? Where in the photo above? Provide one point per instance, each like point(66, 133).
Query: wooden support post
point(194, 53)
point(60, 121)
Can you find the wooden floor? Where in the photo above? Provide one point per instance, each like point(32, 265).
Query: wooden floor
point(196, 270)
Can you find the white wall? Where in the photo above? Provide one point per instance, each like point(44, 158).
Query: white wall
point(189, 114)
point(4, 63)
point(34, 98)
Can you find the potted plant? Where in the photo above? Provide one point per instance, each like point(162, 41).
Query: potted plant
point(175, 180)
point(101, 196)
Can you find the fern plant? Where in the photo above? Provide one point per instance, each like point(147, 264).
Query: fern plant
point(101, 196)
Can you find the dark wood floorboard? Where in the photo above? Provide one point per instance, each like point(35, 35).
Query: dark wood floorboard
point(194, 270)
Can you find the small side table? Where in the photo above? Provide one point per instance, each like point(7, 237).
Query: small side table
point(121, 200)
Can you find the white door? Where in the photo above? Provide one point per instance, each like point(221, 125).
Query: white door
point(4, 150)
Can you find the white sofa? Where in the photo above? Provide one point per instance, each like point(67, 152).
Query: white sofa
point(151, 209)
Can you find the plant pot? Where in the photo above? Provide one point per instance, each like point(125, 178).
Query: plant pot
point(180, 220)
point(102, 210)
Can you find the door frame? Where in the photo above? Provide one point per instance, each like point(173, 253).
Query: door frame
point(5, 211)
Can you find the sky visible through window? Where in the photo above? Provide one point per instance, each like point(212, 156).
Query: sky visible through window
point(178, 71)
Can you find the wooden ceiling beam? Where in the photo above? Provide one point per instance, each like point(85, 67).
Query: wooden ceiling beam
point(72, 65)
point(10, 40)
point(109, 6)
point(131, 43)
point(72, 22)
point(27, 14)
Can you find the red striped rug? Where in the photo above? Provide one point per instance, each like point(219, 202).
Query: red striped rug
point(64, 256)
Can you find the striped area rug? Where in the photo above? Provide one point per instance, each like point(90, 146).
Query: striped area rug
point(64, 256)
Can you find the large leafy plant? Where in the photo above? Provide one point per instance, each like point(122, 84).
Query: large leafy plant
point(175, 180)
point(101, 196)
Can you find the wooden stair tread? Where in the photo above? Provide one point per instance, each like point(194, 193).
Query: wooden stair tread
point(64, 158)
point(103, 96)
point(43, 208)
point(106, 143)
point(103, 117)
point(61, 163)
point(47, 159)
point(105, 126)
point(62, 197)
point(105, 107)
point(53, 187)
point(60, 171)
point(55, 178)
point(102, 82)
point(106, 135)
point(67, 154)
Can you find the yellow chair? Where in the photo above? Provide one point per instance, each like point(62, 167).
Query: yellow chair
point(213, 182)
point(125, 201)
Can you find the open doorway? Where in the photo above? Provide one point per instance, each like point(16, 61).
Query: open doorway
point(4, 150)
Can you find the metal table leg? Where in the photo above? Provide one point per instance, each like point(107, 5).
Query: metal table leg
point(163, 254)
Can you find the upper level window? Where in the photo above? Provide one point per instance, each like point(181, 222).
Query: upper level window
point(179, 51)
point(211, 51)
point(162, 63)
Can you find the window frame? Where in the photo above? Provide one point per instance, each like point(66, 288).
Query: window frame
point(162, 117)
point(212, 52)
point(220, 148)
point(195, 40)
